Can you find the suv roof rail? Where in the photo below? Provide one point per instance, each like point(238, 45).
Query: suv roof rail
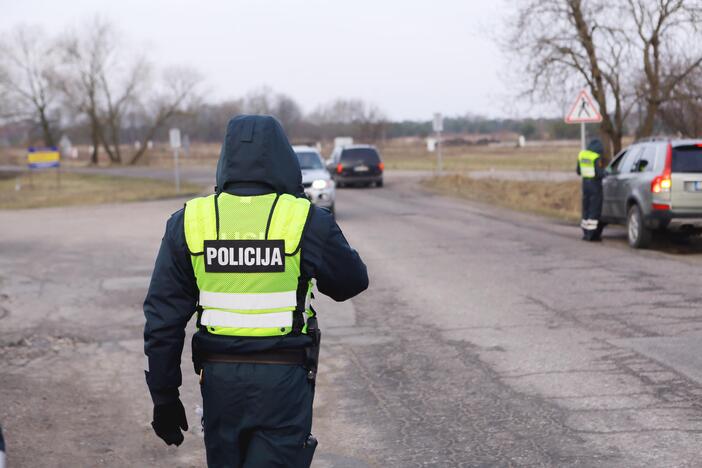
point(653, 138)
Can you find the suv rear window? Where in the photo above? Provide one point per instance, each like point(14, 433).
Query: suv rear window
point(687, 159)
point(367, 156)
point(309, 160)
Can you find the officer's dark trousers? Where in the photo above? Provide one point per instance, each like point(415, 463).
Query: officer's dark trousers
point(592, 209)
point(255, 415)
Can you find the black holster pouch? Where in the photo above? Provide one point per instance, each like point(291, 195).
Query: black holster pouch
point(304, 459)
point(197, 355)
point(312, 351)
point(197, 360)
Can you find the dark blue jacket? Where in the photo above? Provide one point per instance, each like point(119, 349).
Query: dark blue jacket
point(256, 159)
point(595, 146)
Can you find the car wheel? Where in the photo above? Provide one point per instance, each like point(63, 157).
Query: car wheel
point(379, 183)
point(638, 234)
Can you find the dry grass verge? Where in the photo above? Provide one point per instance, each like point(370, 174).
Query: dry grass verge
point(82, 189)
point(546, 157)
point(554, 199)
point(413, 155)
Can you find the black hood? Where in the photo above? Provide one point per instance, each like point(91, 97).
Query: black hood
point(256, 151)
point(596, 146)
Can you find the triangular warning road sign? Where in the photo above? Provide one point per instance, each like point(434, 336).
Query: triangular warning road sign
point(583, 110)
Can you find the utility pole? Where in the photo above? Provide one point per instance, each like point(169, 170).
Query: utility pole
point(438, 128)
point(174, 137)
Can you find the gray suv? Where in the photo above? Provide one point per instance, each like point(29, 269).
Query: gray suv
point(652, 185)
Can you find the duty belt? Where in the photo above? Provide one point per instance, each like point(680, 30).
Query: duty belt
point(290, 357)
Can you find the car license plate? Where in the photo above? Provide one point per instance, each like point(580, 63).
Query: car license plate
point(361, 169)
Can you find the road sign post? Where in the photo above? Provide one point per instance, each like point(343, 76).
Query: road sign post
point(438, 126)
point(431, 144)
point(583, 111)
point(41, 158)
point(174, 137)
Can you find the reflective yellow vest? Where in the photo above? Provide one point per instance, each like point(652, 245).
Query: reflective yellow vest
point(245, 252)
point(587, 161)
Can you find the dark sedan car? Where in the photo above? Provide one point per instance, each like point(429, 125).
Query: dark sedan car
point(356, 165)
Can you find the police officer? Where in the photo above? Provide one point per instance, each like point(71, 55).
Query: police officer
point(242, 260)
point(591, 169)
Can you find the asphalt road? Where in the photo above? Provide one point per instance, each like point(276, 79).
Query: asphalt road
point(487, 338)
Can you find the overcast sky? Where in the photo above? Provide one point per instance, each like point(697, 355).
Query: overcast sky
point(412, 58)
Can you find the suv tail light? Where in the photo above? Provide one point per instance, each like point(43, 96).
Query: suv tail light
point(381, 166)
point(339, 168)
point(663, 182)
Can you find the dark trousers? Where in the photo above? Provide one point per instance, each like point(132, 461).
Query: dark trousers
point(256, 415)
point(592, 209)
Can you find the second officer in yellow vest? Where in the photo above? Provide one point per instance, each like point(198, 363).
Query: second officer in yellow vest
point(243, 260)
point(591, 168)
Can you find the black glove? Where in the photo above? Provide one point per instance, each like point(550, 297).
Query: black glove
point(169, 419)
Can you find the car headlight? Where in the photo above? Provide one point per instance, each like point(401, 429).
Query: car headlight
point(320, 184)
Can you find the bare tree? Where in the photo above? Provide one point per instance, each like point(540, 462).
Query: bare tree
point(118, 103)
point(565, 43)
point(86, 59)
point(372, 123)
point(28, 79)
point(210, 121)
point(682, 113)
point(288, 112)
point(266, 101)
point(344, 111)
point(626, 51)
point(105, 86)
point(367, 121)
point(667, 35)
point(259, 101)
point(176, 95)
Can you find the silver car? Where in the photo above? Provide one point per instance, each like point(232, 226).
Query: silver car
point(652, 185)
point(318, 184)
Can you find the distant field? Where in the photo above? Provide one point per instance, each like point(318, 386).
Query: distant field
point(555, 199)
point(537, 157)
point(81, 189)
point(407, 154)
point(400, 154)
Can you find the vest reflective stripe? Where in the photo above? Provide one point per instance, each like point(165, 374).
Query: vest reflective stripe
point(260, 304)
point(589, 224)
point(221, 318)
point(586, 161)
point(247, 301)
